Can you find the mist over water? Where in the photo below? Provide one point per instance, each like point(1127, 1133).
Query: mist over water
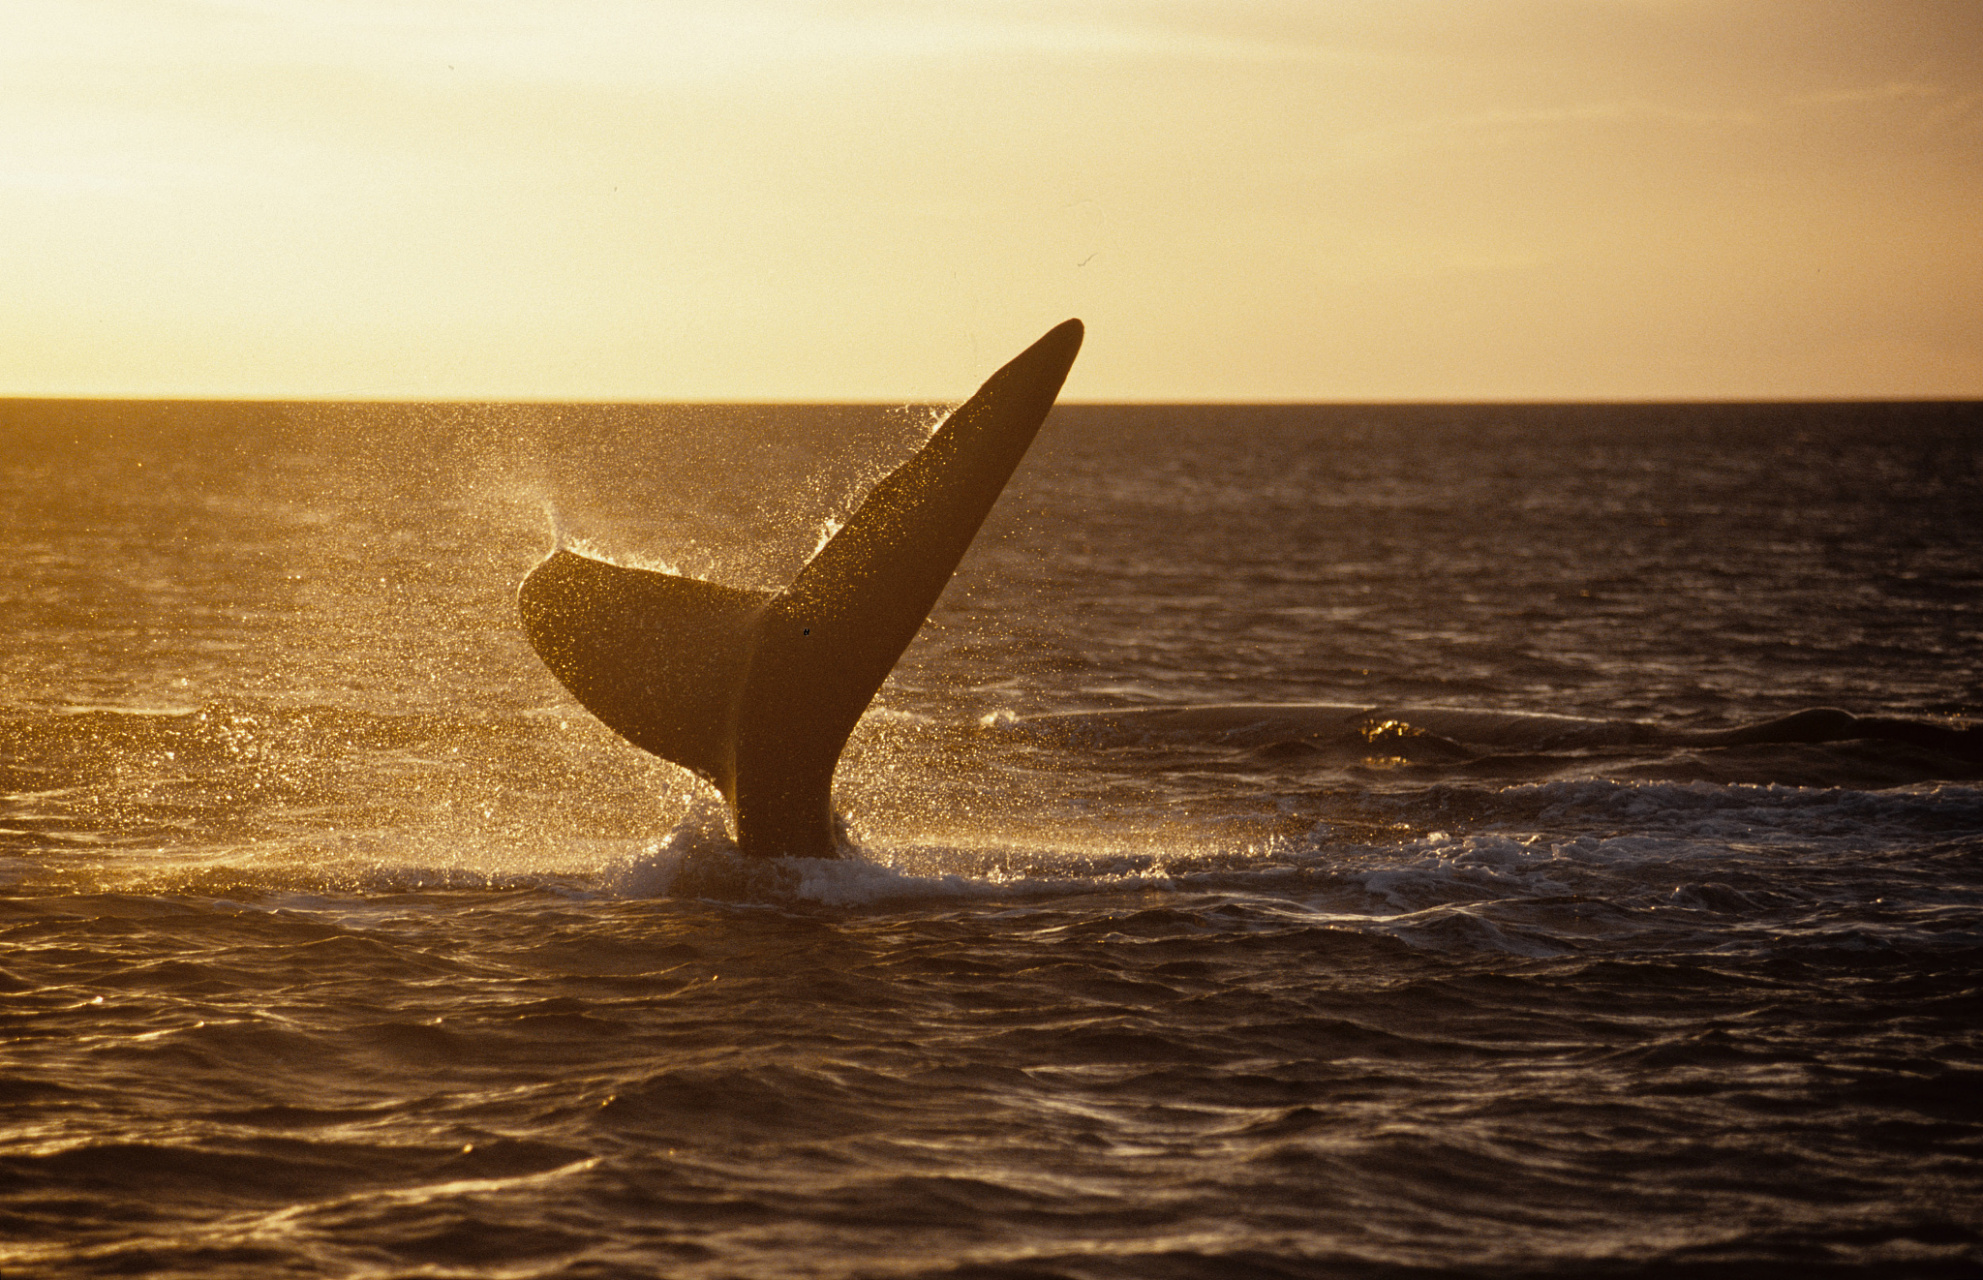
point(338, 940)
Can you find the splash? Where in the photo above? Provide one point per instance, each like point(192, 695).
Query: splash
point(827, 529)
point(591, 549)
point(929, 417)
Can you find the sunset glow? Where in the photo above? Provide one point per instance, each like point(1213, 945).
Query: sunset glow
point(1610, 199)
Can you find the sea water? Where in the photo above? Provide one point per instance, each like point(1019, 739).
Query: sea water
point(335, 939)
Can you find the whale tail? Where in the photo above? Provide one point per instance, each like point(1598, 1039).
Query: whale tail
point(755, 691)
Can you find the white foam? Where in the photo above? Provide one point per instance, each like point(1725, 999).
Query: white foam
point(651, 872)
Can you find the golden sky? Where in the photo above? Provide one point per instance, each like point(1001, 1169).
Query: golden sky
point(874, 200)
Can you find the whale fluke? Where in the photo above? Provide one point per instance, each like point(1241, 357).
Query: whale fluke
point(757, 691)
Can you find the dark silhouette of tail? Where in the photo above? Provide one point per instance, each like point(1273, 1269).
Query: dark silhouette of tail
point(756, 691)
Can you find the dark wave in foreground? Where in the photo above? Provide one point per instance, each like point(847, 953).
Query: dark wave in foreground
point(534, 1084)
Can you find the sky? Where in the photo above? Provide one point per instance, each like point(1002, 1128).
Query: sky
point(866, 200)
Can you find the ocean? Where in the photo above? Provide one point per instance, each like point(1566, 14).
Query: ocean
point(1470, 934)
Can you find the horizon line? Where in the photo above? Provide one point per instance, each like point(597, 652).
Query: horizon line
point(1079, 403)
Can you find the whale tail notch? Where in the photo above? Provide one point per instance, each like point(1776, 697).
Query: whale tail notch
point(757, 692)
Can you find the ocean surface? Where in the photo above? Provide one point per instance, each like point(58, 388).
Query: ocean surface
point(337, 940)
